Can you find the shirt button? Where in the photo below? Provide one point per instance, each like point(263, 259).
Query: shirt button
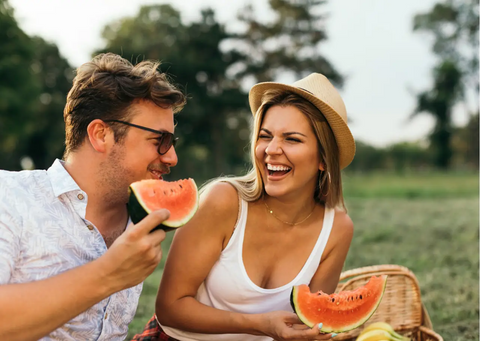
point(90, 227)
point(106, 315)
point(80, 196)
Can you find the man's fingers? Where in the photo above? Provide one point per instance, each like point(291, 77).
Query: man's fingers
point(157, 236)
point(151, 221)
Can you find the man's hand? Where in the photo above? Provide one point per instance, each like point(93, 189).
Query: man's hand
point(136, 253)
point(130, 259)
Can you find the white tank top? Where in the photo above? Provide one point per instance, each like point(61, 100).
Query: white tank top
point(228, 287)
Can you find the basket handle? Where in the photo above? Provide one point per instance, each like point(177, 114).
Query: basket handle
point(430, 332)
point(373, 269)
point(427, 322)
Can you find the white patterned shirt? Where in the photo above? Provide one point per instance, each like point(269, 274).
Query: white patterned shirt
point(43, 232)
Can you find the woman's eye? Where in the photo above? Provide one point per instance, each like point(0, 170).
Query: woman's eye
point(263, 136)
point(293, 139)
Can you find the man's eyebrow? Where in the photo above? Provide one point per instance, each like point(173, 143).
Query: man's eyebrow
point(160, 131)
point(156, 133)
point(285, 134)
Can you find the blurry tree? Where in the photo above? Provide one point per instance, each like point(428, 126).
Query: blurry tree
point(290, 43)
point(454, 25)
point(19, 89)
point(368, 158)
point(212, 126)
point(34, 81)
point(398, 157)
point(54, 73)
point(439, 102)
point(408, 156)
point(465, 142)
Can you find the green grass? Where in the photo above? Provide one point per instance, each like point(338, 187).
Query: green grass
point(435, 238)
point(410, 185)
point(428, 223)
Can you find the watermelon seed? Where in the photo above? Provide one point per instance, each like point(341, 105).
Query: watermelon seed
point(164, 192)
point(360, 296)
point(180, 186)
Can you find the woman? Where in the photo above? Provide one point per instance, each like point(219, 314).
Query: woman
point(230, 270)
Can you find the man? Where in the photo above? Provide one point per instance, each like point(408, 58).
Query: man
point(71, 262)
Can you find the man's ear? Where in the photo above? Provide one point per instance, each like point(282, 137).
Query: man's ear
point(100, 135)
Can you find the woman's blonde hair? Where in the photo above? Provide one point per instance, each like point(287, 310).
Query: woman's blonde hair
point(329, 188)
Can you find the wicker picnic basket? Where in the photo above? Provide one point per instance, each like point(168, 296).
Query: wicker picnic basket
point(401, 305)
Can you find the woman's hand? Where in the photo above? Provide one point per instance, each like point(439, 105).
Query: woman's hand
point(286, 326)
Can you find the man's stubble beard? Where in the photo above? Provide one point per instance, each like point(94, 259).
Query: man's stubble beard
point(115, 178)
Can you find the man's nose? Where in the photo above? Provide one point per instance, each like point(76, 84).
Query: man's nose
point(170, 158)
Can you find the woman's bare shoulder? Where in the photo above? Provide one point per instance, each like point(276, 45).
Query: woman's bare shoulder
point(221, 197)
point(218, 208)
point(342, 225)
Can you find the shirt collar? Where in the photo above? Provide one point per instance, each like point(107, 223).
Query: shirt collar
point(62, 182)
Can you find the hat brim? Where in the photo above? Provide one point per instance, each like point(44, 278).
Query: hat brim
point(343, 135)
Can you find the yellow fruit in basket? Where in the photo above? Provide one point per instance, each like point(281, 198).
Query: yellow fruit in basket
point(383, 326)
point(375, 335)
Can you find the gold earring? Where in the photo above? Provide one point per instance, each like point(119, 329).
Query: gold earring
point(329, 183)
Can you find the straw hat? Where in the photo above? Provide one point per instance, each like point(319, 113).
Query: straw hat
point(318, 90)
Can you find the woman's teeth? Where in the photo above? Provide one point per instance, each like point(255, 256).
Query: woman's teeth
point(277, 168)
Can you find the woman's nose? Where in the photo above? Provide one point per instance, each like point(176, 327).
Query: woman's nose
point(273, 147)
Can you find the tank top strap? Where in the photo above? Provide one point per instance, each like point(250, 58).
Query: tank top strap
point(322, 238)
point(239, 228)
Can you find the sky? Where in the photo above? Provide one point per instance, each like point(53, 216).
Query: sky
point(370, 42)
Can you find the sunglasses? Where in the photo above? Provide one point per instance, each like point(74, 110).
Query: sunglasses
point(166, 139)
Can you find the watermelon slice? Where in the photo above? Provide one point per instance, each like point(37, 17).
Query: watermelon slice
point(339, 312)
point(179, 197)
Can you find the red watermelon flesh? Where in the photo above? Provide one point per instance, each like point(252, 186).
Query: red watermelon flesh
point(338, 312)
point(179, 197)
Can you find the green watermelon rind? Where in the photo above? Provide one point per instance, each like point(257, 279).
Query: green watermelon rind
point(325, 328)
point(139, 210)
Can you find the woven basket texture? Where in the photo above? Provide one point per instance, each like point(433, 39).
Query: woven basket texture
point(401, 305)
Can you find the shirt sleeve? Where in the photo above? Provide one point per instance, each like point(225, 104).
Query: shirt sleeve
point(10, 230)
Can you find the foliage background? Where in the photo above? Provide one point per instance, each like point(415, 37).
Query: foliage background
point(212, 63)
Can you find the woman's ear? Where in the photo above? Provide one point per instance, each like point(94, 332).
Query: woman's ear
point(321, 166)
point(100, 135)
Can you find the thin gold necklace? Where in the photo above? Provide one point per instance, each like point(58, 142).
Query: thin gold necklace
point(269, 210)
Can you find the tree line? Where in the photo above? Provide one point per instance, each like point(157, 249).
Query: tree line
point(212, 65)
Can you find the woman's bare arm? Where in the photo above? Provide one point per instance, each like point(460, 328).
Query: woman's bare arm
point(328, 273)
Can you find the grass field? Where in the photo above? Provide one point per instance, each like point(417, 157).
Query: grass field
point(426, 222)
